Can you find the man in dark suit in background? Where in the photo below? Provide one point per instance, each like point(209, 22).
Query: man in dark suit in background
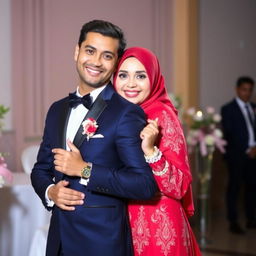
point(239, 127)
point(88, 201)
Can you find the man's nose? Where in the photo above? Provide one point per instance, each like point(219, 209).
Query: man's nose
point(96, 60)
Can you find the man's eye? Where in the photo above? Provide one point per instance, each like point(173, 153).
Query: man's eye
point(89, 51)
point(108, 56)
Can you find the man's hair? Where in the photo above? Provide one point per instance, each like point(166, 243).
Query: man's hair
point(106, 29)
point(244, 80)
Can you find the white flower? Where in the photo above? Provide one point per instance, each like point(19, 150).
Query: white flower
point(216, 118)
point(218, 133)
point(191, 111)
point(89, 127)
point(210, 110)
point(198, 116)
point(209, 140)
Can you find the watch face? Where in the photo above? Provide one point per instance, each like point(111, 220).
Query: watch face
point(86, 172)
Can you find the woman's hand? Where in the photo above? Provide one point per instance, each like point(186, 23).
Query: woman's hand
point(69, 162)
point(149, 135)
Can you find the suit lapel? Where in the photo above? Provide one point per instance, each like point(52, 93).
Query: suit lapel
point(63, 122)
point(98, 107)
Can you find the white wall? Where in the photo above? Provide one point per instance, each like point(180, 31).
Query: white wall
point(227, 48)
point(5, 59)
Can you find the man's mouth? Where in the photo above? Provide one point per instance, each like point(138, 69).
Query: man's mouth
point(93, 71)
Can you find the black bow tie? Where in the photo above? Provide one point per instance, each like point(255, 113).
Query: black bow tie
point(74, 100)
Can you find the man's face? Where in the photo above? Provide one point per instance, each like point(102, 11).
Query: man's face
point(244, 91)
point(96, 60)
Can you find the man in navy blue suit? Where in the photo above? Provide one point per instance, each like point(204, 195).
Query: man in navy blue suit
point(239, 126)
point(88, 201)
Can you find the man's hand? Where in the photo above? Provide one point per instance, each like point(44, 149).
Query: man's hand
point(69, 162)
point(65, 198)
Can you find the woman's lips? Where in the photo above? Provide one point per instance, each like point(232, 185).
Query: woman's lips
point(131, 94)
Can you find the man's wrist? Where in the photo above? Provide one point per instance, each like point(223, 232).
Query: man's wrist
point(86, 171)
point(48, 200)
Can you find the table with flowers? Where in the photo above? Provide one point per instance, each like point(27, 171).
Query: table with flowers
point(21, 215)
point(203, 137)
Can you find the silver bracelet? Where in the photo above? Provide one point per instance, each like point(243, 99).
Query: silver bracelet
point(155, 157)
point(166, 167)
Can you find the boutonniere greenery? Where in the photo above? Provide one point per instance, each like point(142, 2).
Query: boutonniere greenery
point(89, 127)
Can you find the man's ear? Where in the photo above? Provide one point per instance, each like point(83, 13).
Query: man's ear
point(76, 52)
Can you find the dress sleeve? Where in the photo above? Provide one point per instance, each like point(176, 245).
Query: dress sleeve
point(171, 181)
point(171, 171)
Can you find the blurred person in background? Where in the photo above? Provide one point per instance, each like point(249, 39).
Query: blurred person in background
point(239, 127)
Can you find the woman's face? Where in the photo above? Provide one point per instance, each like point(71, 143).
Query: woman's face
point(132, 81)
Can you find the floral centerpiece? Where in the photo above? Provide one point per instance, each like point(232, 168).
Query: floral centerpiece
point(203, 137)
point(203, 130)
point(5, 173)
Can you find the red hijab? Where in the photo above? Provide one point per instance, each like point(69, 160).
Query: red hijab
point(156, 102)
point(149, 60)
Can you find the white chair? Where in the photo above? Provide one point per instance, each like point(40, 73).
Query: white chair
point(38, 243)
point(28, 158)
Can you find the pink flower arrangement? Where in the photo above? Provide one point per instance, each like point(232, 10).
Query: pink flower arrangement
point(5, 173)
point(203, 130)
point(89, 127)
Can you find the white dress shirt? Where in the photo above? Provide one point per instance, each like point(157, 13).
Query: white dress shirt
point(242, 104)
point(75, 119)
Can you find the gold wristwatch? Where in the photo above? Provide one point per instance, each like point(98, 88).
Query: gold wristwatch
point(86, 171)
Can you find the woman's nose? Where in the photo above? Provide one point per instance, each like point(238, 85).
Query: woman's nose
point(131, 83)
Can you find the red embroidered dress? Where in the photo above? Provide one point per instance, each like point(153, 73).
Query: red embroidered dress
point(160, 227)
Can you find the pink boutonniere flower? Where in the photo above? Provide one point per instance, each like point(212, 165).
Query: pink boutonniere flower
point(89, 127)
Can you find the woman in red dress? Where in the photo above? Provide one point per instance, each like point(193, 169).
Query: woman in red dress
point(160, 226)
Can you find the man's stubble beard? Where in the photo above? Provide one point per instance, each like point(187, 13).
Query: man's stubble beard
point(93, 85)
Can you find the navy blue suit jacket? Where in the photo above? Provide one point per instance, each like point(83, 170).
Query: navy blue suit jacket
point(100, 226)
point(235, 129)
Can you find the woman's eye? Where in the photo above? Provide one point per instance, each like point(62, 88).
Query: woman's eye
point(141, 76)
point(122, 75)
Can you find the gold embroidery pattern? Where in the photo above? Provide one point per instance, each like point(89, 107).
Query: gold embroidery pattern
point(172, 134)
point(173, 182)
point(140, 231)
point(165, 233)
